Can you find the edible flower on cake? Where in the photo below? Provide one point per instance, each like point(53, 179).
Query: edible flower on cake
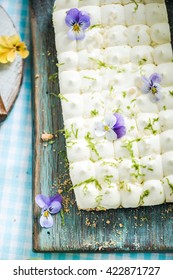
point(152, 85)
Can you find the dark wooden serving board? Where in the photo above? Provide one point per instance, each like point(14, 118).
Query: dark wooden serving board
point(142, 229)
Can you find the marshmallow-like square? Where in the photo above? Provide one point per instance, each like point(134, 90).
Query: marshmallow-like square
point(68, 61)
point(162, 53)
point(151, 167)
point(72, 106)
point(94, 105)
point(149, 145)
point(115, 36)
point(165, 119)
point(90, 81)
point(133, 15)
point(78, 150)
point(89, 59)
point(74, 129)
point(168, 188)
point(166, 102)
point(70, 82)
point(148, 123)
point(80, 171)
point(86, 196)
point(126, 148)
point(117, 55)
point(167, 161)
point(63, 43)
point(145, 104)
point(94, 12)
point(93, 40)
point(112, 15)
point(138, 35)
point(160, 33)
point(141, 55)
point(153, 193)
point(166, 140)
point(130, 194)
point(155, 13)
point(111, 198)
point(165, 70)
point(107, 172)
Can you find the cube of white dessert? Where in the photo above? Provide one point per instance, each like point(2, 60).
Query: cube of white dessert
point(68, 61)
point(130, 194)
point(103, 150)
point(160, 33)
point(168, 188)
point(166, 102)
point(94, 105)
point(89, 59)
point(148, 123)
point(146, 70)
point(165, 70)
point(86, 196)
point(72, 107)
point(151, 167)
point(133, 15)
point(63, 43)
point(141, 55)
point(162, 53)
point(90, 81)
point(70, 82)
point(117, 55)
point(155, 13)
point(115, 36)
point(126, 147)
point(131, 127)
point(145, 104)
point(153, 193)
point(149, 146)
point(130, 170)
point(94, 12)
point(112, 15)
point(80, 171)
point(74, 128)
point(78, 150)
point(89, 126)
point(93, 40)
point(88, 3)
point(165, 119)
point(167, 161)
point(166, 140)
point(65, 4)
point(59, 21)
point(107, 171)
point(138, 35)
point(111, 198)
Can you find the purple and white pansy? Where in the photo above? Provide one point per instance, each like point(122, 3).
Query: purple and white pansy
point(50, 205)
point(78, 21)
point(152, 86)
point(113, 127)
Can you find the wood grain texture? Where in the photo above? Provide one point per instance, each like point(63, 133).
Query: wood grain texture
point(11, 73)
point(129, 230)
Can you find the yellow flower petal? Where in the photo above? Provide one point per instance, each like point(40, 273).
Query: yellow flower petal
point(14, 40)
point(11, 55)
point(22, 49)
point(3, 58)
point(4, 41)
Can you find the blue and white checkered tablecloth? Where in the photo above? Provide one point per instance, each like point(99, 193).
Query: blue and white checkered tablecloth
point(16, 170)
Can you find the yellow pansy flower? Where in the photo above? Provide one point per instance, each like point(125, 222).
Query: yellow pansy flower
point(10, 46)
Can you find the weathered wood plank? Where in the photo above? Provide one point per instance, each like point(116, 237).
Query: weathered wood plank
point(142, 229)
point(11, 73)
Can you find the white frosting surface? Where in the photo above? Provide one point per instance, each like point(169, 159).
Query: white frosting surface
point(102, 74)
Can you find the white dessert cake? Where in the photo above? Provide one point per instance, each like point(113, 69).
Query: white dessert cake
point(116, 88)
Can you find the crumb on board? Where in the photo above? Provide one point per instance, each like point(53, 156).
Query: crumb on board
point(45, 137)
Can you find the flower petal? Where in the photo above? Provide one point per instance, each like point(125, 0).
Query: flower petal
point(11, 55)
point(110, 120)
point(72, 17)
point(155, 78)
point(14, 40)
point(46, 222)
point(120, 131)
point(99, 129)
point(55, 207)
point(73, 35)
point(84, 20)
point(111, 135)
point(145, 88)
point(42, 200)
point(120, 120)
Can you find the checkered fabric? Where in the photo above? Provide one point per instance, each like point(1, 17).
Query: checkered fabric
point(16, 170)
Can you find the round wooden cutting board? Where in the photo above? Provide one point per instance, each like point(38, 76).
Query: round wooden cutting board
point(10, 73)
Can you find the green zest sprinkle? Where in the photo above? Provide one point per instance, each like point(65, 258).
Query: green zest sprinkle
point(74, 132)
point(91, 145)
point(62, 217)
point(101, 63)
point(90, 180)
point(95, 25)
point(142, 61)
point(150, 169)
point(67, 133)
point(107, 179)
point(136, 5)
point(94, 113)
point(129, 145)
point(99, 198)
point(164, 108)
point(124, 94)
point(170, 185)
point(60, 64)
point(53, 76)
point(89, 78)
point(62, 97)
point(142, 196)
point(171, 92)
point(151, 124)
point(113, 164)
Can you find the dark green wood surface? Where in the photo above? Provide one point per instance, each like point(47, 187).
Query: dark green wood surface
point(142, 229)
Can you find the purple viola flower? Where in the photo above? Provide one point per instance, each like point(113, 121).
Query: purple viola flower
point(50, 205)
point(78, 21)
point(152, 85)
point(112, 128)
